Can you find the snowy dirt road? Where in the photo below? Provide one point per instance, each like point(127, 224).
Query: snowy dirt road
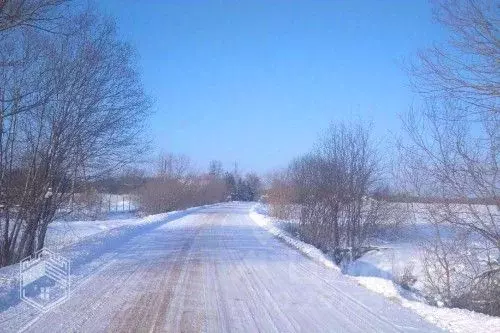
point(215, 270)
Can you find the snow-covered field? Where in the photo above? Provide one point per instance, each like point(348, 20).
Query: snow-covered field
point(98, 206)
point(377, 269)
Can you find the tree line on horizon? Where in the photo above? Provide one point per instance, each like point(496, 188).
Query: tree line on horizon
point(176, 185)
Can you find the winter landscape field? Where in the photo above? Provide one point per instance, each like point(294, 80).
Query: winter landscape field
point(250, 166)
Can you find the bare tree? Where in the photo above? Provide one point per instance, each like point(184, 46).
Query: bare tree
point(215, 168)
point(332, 186)
point(174, 166)
point(452, 155)
point(75, 110)
point(465, 70)
point(38, 14)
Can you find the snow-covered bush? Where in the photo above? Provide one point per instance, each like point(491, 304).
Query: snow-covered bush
point(406, 278)
point(461, 271)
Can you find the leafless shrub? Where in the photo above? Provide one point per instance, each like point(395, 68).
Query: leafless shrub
point(281, 197)
point(163, 195)
point(87, 204)
point(332, 187)
point(458, 273)
point(406, 278)
point(177, 186)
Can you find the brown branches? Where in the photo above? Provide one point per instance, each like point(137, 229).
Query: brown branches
point(37, 14)
point(71, 109)
point(453, 152)
point(331, 187)
point(465, 70)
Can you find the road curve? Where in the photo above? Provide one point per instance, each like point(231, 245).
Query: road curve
point(215, 270)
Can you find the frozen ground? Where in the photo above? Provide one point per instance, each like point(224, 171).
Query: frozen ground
point(210, 269)
point(375, 271)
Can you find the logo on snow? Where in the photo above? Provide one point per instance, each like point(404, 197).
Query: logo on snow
point(44, 280)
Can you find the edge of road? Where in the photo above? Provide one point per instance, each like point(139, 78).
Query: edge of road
point(307, 249)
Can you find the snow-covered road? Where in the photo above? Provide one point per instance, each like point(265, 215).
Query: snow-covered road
point(215, 270)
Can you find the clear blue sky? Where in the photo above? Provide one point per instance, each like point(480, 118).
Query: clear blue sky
point(256, 81)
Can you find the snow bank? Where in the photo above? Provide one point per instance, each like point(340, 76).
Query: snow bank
point(309, 250)
point(453, 320)
point(83, 242)
point(63, 233)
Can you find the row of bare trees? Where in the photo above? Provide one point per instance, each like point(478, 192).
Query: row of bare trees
point(177, 185)
point(71, 108)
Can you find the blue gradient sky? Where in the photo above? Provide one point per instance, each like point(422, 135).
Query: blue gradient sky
point(254, 82)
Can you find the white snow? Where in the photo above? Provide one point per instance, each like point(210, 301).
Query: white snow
point(376, 269)
point(85, 242)
point(453, 320)
point(62, 233)
point(305, 248)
